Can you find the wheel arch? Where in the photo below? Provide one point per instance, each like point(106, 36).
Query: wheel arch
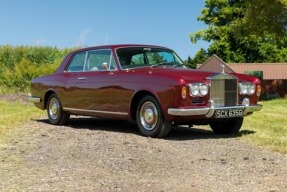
point(46, 97)
point(136, 99)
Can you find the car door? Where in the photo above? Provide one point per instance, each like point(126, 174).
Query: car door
point(70, 95)
point(95, 84)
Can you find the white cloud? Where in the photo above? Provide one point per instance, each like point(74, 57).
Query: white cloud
point(83, 36)
point(40, 42)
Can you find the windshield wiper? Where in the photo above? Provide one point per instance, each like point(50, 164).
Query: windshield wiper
point(158, 64)
point(169, 64)
point(179, 65)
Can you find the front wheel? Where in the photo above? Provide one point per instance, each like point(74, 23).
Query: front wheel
point(227, 126)
point(150, 119)
point(55, 111)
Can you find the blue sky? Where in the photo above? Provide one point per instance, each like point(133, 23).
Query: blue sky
point(69, 23)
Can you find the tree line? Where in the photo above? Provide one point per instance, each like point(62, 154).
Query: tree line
point(20, 64)
point(243, 31)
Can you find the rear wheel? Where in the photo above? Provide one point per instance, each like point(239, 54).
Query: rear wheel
point(227, 126)
point(150, 119)
point(55, 111)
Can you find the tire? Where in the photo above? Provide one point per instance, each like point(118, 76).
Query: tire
point(227, 126)
point(150, 119)
point(55, 111)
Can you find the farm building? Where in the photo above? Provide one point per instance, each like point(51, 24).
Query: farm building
point(273, 75)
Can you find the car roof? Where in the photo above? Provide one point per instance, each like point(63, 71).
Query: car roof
point(115, 46)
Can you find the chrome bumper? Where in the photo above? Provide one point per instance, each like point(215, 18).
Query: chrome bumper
point(209, 111)
point(34, 99)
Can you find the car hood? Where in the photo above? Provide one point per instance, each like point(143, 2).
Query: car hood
point(186, 74)
point(178, 73)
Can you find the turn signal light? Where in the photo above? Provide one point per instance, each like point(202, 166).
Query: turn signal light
point(258, 91)
point(183, 92)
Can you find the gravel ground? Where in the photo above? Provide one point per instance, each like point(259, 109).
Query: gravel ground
point(93, 154)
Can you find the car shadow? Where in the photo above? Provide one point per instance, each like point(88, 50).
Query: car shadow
point(201, 132)
point(123, 126)
point(104, 125)
point(99, 124)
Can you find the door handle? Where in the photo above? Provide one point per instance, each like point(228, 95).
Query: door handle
point(82, 79)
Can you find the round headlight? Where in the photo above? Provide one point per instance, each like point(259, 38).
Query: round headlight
point(194, 90)
point(247, 88)
point(243, 88)
point(203, 88)
point(250, 89)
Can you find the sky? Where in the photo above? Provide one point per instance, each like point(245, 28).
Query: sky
point(70, 23)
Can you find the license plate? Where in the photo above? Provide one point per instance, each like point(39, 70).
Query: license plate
point(225, 113)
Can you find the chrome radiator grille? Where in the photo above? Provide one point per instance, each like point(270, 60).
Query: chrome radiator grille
point(224, 90)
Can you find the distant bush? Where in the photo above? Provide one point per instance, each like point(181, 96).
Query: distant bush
point(20, 64)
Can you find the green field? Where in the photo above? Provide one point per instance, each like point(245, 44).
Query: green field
point(13, 114)
point(266, 128)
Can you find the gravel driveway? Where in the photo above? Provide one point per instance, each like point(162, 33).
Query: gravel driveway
point(102, 155)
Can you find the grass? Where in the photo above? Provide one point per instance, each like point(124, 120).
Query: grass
point(268, 127)
point(13, 114)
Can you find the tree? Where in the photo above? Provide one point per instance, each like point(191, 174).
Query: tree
point(231, 30)
point(265, 16)
point(199, 58)
point(19, 64)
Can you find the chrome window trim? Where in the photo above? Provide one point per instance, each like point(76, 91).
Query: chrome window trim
point(70, 61)
point(85, 62)
point(148, 46)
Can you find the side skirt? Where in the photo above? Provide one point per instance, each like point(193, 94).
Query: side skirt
point(96, 113)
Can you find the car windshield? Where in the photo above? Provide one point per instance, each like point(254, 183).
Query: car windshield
point(142, 56)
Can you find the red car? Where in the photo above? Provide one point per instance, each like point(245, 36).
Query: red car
point(146, 84)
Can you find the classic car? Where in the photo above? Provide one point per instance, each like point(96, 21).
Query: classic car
point(146, 84)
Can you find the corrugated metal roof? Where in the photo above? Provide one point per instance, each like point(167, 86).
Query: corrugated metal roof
point(270, 70)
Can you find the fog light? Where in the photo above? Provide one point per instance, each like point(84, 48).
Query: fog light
point(246, 102)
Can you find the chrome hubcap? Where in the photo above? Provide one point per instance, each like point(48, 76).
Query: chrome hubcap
point(148, 116)
point(54, 108)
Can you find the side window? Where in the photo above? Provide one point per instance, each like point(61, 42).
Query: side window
point(78, 62)
point(99, 60)
point(138, 59)
point(160, 57)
